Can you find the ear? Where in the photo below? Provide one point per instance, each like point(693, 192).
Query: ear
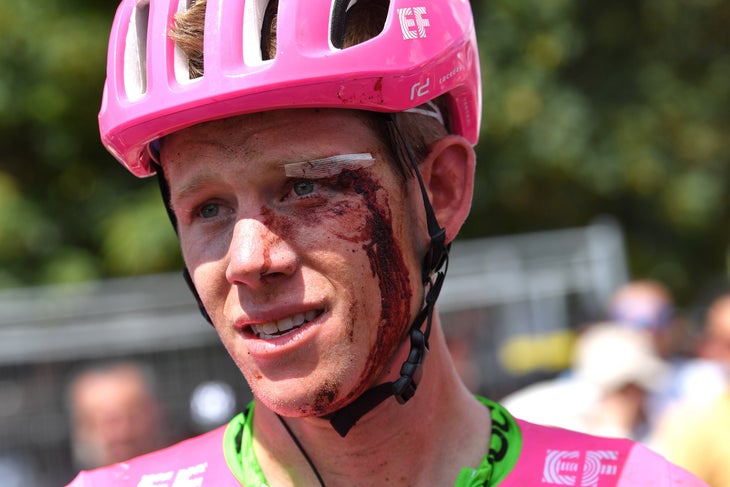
point(448, 174)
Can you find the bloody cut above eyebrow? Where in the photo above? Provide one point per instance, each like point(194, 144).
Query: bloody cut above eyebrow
point(329, 166)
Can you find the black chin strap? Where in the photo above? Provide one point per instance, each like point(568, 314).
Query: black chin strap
point(411, 371)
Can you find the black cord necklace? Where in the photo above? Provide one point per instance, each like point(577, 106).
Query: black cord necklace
point(302, 450)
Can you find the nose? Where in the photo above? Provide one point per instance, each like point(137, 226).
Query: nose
point(257, 255)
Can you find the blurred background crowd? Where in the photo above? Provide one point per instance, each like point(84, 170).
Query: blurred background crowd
point(549, 323)
point(589, 288)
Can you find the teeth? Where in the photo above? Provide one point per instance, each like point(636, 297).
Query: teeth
point(287, 323)
point(275, 328)
point(269, 328)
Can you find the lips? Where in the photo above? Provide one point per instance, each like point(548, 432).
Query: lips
point(275, 329)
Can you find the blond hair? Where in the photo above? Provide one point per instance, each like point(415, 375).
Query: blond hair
point(365, 20)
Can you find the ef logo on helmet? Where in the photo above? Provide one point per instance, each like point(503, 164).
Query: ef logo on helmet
point(412, 22)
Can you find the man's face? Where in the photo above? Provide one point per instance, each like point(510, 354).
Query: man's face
point(115, 417)
point(311, 282)
point(717, 339)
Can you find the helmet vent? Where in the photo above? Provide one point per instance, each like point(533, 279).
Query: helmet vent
point(259, 31)
point(135, 52)
point(368, 15)
point(268, 30)
point(188, 34)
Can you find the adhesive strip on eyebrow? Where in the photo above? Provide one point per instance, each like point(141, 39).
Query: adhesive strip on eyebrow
point(329, 166)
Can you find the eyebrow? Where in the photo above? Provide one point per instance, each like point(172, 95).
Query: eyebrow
point(329, 166)
point(189, 189)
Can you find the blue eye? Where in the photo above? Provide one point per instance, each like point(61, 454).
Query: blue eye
point(303, 188)
point(209, 211)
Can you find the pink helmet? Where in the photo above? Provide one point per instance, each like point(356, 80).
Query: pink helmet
point(426, 49)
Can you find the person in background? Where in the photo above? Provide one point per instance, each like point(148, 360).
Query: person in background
point(694, 432)
point(114, 414)
point(614, 369)
point(316, 159)
point(647, 305)
point(713, 349)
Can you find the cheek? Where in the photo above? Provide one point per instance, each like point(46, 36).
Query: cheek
point(389, 265)
point(201, 249)
point(205, 260)
point(359, 222)
point(362, 225)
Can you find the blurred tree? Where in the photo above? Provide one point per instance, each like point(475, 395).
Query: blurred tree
point(65, 204)
point(590, 108)
point(610, 108)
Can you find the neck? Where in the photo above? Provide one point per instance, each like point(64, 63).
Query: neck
point(424, 442)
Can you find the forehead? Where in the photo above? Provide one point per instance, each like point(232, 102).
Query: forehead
point(275, 135)
point(109, 386)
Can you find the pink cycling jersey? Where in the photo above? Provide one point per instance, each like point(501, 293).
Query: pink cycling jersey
point(521, 454)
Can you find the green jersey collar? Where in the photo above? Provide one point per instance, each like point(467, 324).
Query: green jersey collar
point(505, 445)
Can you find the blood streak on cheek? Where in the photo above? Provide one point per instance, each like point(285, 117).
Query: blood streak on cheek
point(388, 265)
point(368, 223)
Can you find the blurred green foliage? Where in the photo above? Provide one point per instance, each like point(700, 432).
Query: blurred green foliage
point(68, 211)
point(616, 108)
point(590, 108)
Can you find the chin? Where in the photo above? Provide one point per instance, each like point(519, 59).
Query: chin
point(325, 399)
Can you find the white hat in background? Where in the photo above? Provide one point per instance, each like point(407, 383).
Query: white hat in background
point(611, 356)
